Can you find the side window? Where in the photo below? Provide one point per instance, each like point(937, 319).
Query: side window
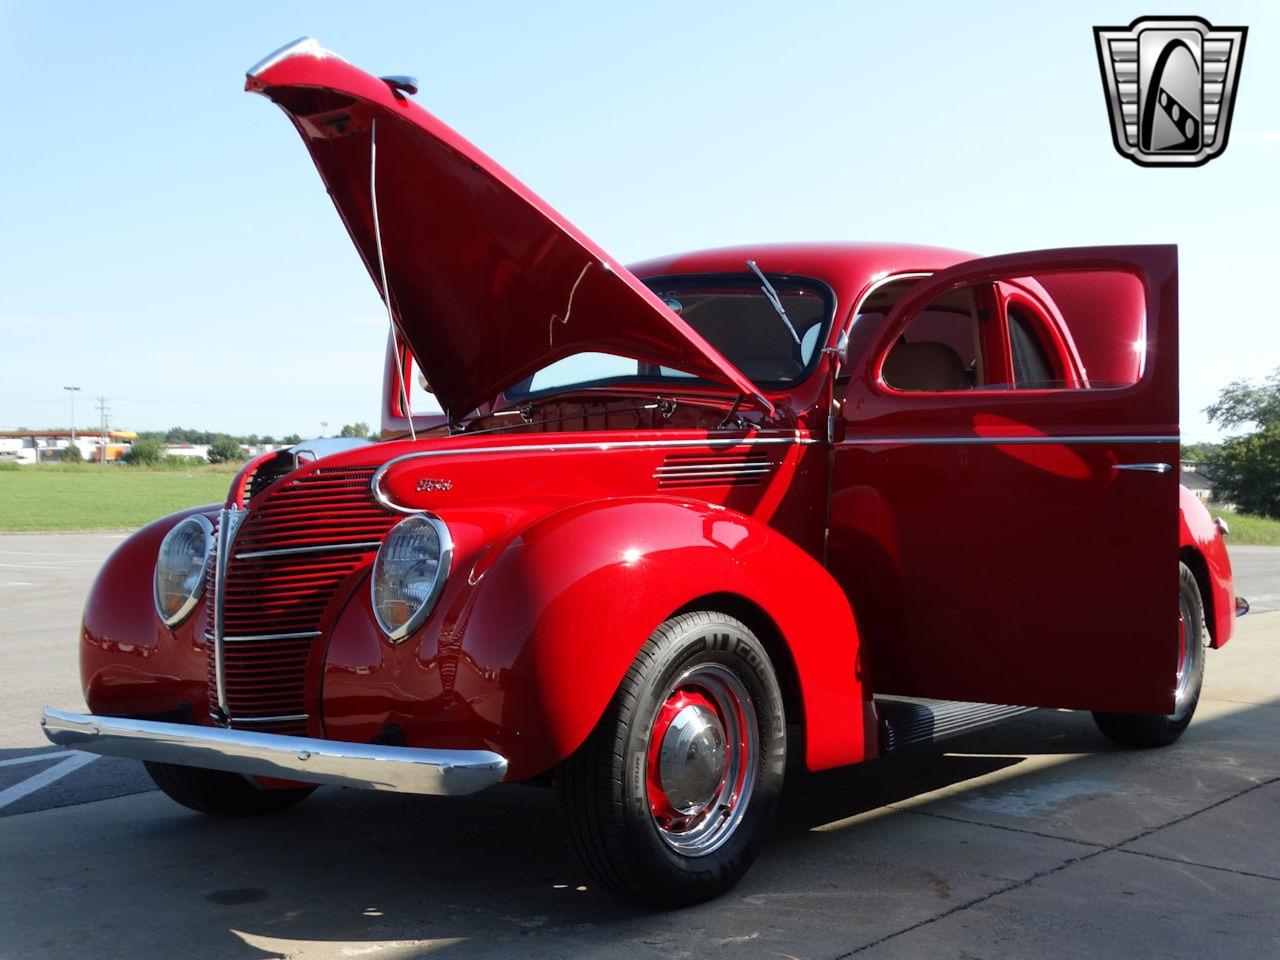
point(943, 348)
point(1031, 366)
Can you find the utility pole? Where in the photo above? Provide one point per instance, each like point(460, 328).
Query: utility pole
point(103, 412)
point(73, 391)
point(324, 425)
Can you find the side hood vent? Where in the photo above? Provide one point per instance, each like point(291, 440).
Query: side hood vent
point(684, 470)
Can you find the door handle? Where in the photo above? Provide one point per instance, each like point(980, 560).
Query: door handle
point(1143, 467)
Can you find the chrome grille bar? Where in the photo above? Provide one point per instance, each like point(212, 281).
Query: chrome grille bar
point(228, 523)
point(316, 548)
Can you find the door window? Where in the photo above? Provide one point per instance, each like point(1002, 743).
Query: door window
point(943, 348)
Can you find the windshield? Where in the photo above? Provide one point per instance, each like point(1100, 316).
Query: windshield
point(734, 314)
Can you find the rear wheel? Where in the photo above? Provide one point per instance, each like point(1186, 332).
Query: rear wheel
point(669, 798)
point(220, 793)
point(1156, 730)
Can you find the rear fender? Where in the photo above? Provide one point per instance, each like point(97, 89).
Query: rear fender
point(1201, 541)
point(566, 606)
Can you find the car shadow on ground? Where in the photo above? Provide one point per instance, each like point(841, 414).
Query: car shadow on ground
point(490, 875)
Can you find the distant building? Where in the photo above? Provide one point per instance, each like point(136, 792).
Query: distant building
point(192, 451)
point(1194, 480)
point(47, 446)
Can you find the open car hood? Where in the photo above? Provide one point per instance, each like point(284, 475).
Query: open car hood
point(487, 283)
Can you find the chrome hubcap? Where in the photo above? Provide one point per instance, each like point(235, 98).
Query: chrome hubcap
point(703, 755)
point(692, 760)
point(1188, 652)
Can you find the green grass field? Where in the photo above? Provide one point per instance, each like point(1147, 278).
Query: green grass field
point(1248, 530)
point(92, 497)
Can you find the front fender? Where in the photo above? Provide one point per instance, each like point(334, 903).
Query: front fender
point(131, 664)
point(565, 607)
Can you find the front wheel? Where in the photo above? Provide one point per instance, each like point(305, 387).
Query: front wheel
point(1156, 730)
point(669, 798)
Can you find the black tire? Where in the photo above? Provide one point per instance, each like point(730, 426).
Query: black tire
point(219, 793)
point(604, 785)
point(1160, 730)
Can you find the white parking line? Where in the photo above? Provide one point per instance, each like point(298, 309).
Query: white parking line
point(46, 553)
point(44, 777)
point(15, 583)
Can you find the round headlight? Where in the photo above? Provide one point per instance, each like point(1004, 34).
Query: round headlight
point(409, 573)
point(180, 568)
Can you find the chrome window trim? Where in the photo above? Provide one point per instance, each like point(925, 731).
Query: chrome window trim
point(876, 285)
point(184, 611)
point(380, 495)
point(442, 575)
point(1004, 441)
point(315, 548)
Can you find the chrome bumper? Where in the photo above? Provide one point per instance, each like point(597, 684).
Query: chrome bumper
point(368, 765)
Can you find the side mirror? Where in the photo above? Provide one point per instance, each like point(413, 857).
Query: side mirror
point(840, 352)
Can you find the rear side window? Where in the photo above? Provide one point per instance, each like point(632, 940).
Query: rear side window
point(1031, 366)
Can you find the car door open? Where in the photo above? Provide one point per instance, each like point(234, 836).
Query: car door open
point(1006, 536)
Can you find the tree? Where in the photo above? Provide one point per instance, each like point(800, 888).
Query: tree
point(1246, 469)
point(71, 454)
point(225, 449)
point(145, 451)
point(358, 429)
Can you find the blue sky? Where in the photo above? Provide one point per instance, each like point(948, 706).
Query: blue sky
point(166, 242)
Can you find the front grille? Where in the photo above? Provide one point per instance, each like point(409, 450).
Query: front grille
point(292, 553)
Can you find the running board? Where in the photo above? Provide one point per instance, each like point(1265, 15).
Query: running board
point(914, 722)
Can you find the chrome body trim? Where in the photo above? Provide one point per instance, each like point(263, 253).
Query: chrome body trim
point(379, 494)
point(368, 765)
point(745, 471)
point(317, 548)
point(279, 718)
point(185, 610)
point(1002, 441)
point(303, 45)
point(1143, 467)
point(254, 637)
point(228, 524)
point(442, 576)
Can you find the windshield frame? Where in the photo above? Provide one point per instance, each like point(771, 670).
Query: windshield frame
point(669, 384)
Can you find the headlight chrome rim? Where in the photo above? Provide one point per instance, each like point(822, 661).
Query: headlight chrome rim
point(397, 634)
point(178, 616)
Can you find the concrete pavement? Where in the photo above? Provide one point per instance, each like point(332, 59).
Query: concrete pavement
point(1031, 839)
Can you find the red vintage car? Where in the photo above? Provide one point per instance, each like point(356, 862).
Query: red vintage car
point(678, 522)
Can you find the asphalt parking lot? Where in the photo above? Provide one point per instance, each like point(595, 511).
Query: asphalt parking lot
point(1031, 839)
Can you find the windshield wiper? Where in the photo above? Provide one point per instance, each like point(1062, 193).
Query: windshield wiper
point(767, 289)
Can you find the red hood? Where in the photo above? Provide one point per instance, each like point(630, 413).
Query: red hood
point(488, 283)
